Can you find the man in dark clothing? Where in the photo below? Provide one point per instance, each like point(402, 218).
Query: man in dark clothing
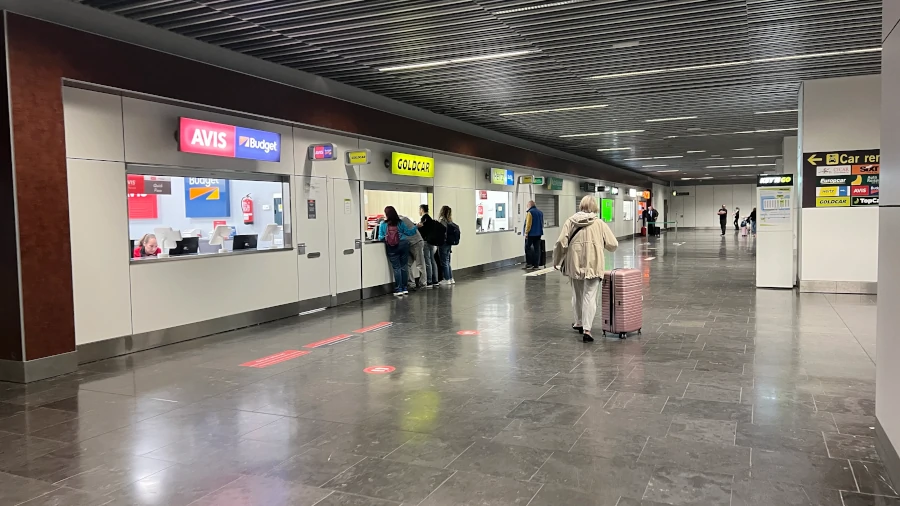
point(434, 234)
point(723, 216)
point(534, 229)
point(652, 215)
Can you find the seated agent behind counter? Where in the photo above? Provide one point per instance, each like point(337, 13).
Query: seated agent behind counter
point(146, 247)
point(395, 235)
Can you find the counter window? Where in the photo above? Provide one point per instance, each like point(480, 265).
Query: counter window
point(406, 199)
point(549, 205)
point(492, 212)
point(173, 213)
point(628, 208)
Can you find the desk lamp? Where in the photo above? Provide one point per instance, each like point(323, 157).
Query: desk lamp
point(218, 236)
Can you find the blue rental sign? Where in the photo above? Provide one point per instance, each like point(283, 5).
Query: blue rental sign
point(257, 145)
point(206, 198)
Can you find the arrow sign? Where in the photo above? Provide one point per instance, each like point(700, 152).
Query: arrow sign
point(813, 159)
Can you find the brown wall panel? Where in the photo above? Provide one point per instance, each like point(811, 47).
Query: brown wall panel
point(41, 55)
point(10, 323)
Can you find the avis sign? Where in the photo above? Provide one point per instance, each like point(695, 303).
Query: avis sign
point(217, 139)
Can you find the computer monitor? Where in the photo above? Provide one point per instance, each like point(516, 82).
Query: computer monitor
point(244, 242)
point(186, 246)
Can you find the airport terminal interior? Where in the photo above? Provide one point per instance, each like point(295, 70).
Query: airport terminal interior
point(217, 320)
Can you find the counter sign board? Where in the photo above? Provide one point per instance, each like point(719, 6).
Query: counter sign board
point(322, 152)
point(503, 176)
point(358, 157)
point(404, 164)
point(218, 139)
point(841, 178)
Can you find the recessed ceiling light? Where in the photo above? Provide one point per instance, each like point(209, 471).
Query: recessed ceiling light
point(718, 166)
point(695, 129)
point(559, 109)
point(707, 177)
point(679, 118)
point(738, 157)
point(698, 151)
point(670, 170)
point(615, 149)
point(604, 133)
point(743, 149)
point(750, 165)
point(455, 60)
point(765, 131)
point(654, 158)
point(768, 156)
point(777, 112)
point(686, 178)
point(637, 159)
point(766, 164)
point(735, 63)
point(533, 7)
point(650, 166)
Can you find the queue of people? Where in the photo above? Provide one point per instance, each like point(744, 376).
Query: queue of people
point(412, 247)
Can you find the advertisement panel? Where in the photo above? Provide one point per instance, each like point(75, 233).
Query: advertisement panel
point(405, 164)
point(206, 198)
point(230, 141)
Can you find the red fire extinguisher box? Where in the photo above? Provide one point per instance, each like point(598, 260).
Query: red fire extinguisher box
point(247, 209)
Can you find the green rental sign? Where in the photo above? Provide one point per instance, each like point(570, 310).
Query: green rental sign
point(554, 183)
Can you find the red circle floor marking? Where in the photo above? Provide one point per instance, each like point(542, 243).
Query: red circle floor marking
point(379, 369)
point(468, 333)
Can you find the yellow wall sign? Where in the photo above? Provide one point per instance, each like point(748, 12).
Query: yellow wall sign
point(827, 191)
point(358, 157)
point(832, 201)
point(404, 164)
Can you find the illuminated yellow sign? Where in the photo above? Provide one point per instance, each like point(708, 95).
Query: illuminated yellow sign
point(832, 201)
point(827, 191)
point(404, 164)
point(358, 157)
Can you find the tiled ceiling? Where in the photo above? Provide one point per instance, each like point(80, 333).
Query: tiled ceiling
point(714, 64)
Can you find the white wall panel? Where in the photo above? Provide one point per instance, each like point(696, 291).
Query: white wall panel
point(743, 196)
point(93, 125)
point(170, 294)
point(841, 113)
point(887, 346)
point(724, 194)
point(890, 16)
point(98, 235)
point(707, 207)
point(150, 137)
point(890, 121)
point(840, 244)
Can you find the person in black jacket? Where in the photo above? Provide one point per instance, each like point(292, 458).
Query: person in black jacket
point(434, 234)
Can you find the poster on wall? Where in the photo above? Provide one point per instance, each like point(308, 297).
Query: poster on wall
point(841, 178)
point(206, 198)
point(142, 203)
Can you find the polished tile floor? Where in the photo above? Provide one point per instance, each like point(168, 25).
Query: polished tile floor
point(731, 396)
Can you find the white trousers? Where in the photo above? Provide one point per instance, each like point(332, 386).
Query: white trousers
point(584, 301)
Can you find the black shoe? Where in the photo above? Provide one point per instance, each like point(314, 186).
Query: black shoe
point(587, 338)
point(580, 330)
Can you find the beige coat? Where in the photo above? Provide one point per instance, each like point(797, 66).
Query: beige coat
point(582, 258)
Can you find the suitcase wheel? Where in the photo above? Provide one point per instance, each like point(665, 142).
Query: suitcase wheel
point(622, 335)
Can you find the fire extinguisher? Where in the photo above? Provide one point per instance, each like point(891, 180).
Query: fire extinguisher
point(247, 209)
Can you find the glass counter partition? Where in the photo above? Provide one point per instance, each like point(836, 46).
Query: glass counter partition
point(176, 213)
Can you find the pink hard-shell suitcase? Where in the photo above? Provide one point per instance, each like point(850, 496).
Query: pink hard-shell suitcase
point(622, 301)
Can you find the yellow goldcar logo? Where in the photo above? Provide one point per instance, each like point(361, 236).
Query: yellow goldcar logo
point(403, 164)
point(832, 201)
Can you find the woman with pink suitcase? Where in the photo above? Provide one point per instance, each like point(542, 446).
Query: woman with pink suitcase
point(578, 254)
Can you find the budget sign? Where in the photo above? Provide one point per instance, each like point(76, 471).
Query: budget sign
point(218, 139)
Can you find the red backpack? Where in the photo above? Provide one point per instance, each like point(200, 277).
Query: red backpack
point(392, 238)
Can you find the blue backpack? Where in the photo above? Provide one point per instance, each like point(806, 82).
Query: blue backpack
point(453, 234)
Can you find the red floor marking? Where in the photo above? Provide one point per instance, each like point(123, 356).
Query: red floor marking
point(377, 326)
point(379, 369)
point(284, 356)
point(468, 333)
point(330, 340)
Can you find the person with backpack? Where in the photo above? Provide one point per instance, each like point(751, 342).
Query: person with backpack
point(534, 229)
point(446, 219)
point(416, 264)
point(434, 234)
point(395, 235)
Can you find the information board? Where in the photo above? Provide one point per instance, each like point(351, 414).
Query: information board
point(841, 178)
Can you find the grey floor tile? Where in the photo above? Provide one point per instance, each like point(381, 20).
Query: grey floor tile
point(15, 489)
point(426, 450)
point(756, 493)
point(68, 497)
point(393, 481)
point(842, 446)
point(178, 485)
point(605, 479)
point(794, 419)
point(603, 444)
point(473, 488)
point(496, 459)
point(360, 440)
point(261, 490)
point(676, 486)
point(847, 405)
point(854, 499)
point(873, 478)
point(702, 430)
point(712, 410)
point(341, 499)
point(637, 402)
point(315, 467)
point(802, 469)
point(596, 396)
point(713, 393)
point(856, 425)
point(549, 413)
point(540, 436)
point(555, 495)
point(705, 457)
point(768, 437)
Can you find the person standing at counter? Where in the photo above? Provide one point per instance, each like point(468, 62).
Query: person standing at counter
point(146, 247)
point(434, 234)
point(395, 235)
point(446, 219)
point(416, 264)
